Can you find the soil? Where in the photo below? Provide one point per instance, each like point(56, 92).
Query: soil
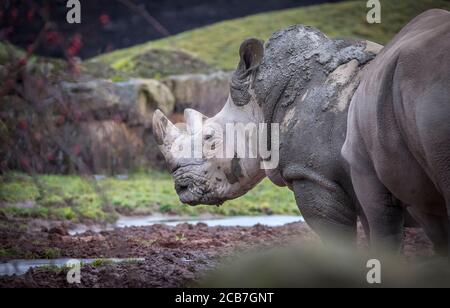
point(174, 256)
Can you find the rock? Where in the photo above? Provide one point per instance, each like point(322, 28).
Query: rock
point(206, 93)
point(136, 98)
point(146, 95)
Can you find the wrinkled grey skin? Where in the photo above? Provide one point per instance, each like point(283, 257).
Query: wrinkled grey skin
point(304, 81)
point(398, 137)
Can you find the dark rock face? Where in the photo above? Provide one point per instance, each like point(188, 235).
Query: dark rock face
point(108, 25)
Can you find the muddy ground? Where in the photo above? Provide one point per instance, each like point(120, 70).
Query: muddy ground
point(174, 256)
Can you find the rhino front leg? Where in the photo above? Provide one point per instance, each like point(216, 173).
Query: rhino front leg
point(385, 216)
point(327, 210)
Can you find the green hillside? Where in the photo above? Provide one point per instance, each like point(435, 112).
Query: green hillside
point(217, 44)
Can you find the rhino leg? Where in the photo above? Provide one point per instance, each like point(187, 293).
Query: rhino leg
point(436, 228)
point(384, 214)
point(329, 212)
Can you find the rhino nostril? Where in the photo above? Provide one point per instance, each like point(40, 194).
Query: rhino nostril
point(181, 187)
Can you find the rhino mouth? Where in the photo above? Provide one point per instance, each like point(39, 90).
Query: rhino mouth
point(191, 188)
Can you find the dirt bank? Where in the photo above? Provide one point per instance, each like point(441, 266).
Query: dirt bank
point(174, 256)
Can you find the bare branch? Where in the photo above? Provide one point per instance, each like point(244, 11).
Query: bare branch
point(146, 15)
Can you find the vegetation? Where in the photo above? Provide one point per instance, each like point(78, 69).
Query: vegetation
point(76, 198)
point(218, 44)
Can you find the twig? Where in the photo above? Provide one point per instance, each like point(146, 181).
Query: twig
point(146, 15)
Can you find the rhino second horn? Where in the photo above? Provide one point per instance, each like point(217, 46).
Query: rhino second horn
point(194, 120)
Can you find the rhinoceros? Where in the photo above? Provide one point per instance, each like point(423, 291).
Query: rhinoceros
point(398, 136)
point(302, 82)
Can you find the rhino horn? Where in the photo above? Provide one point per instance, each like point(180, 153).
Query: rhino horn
point(194, 120)
point(165, 133)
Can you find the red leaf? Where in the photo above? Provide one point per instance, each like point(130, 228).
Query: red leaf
point(104, 19)
point(23, 124)
point(22, 62)
point(30, 15)
point(52, 37)
point(25, 162)
point(14, 13)
point(50, 156)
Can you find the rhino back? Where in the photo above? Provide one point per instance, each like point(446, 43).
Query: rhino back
point(399, 116)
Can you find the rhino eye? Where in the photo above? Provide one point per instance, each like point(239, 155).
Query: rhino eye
point(208, 137)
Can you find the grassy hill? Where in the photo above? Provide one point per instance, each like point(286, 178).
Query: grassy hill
point(217, 44)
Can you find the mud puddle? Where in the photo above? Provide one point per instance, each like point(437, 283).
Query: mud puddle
point(236, 221)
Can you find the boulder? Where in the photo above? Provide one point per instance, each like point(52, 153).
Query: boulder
point(136, 98)
point(206, 93)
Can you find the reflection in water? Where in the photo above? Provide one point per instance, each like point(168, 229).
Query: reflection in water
point(20, 267)
point(235, 221)
point(239, 221)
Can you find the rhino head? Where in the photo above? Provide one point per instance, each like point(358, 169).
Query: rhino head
point(202, 153)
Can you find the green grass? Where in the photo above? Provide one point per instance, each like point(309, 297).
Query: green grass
point(75, 198)
point(218, 44)
point(51, 253)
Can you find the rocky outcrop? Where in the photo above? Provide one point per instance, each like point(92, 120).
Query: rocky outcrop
point(137, 99)
point(206, 93)
point(89, 126)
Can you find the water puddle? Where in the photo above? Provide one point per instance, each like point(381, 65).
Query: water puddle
point(235, 221)
point(20, 267)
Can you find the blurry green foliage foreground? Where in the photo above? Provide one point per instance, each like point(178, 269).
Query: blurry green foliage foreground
point(80, 199)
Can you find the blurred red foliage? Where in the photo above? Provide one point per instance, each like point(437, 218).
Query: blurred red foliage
point(104, 19)
point(14, 14)
point(30, 15)
point(52, 37)
point(75, 45)
point(23, 124)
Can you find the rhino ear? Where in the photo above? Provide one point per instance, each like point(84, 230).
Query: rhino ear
point(251, 54)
